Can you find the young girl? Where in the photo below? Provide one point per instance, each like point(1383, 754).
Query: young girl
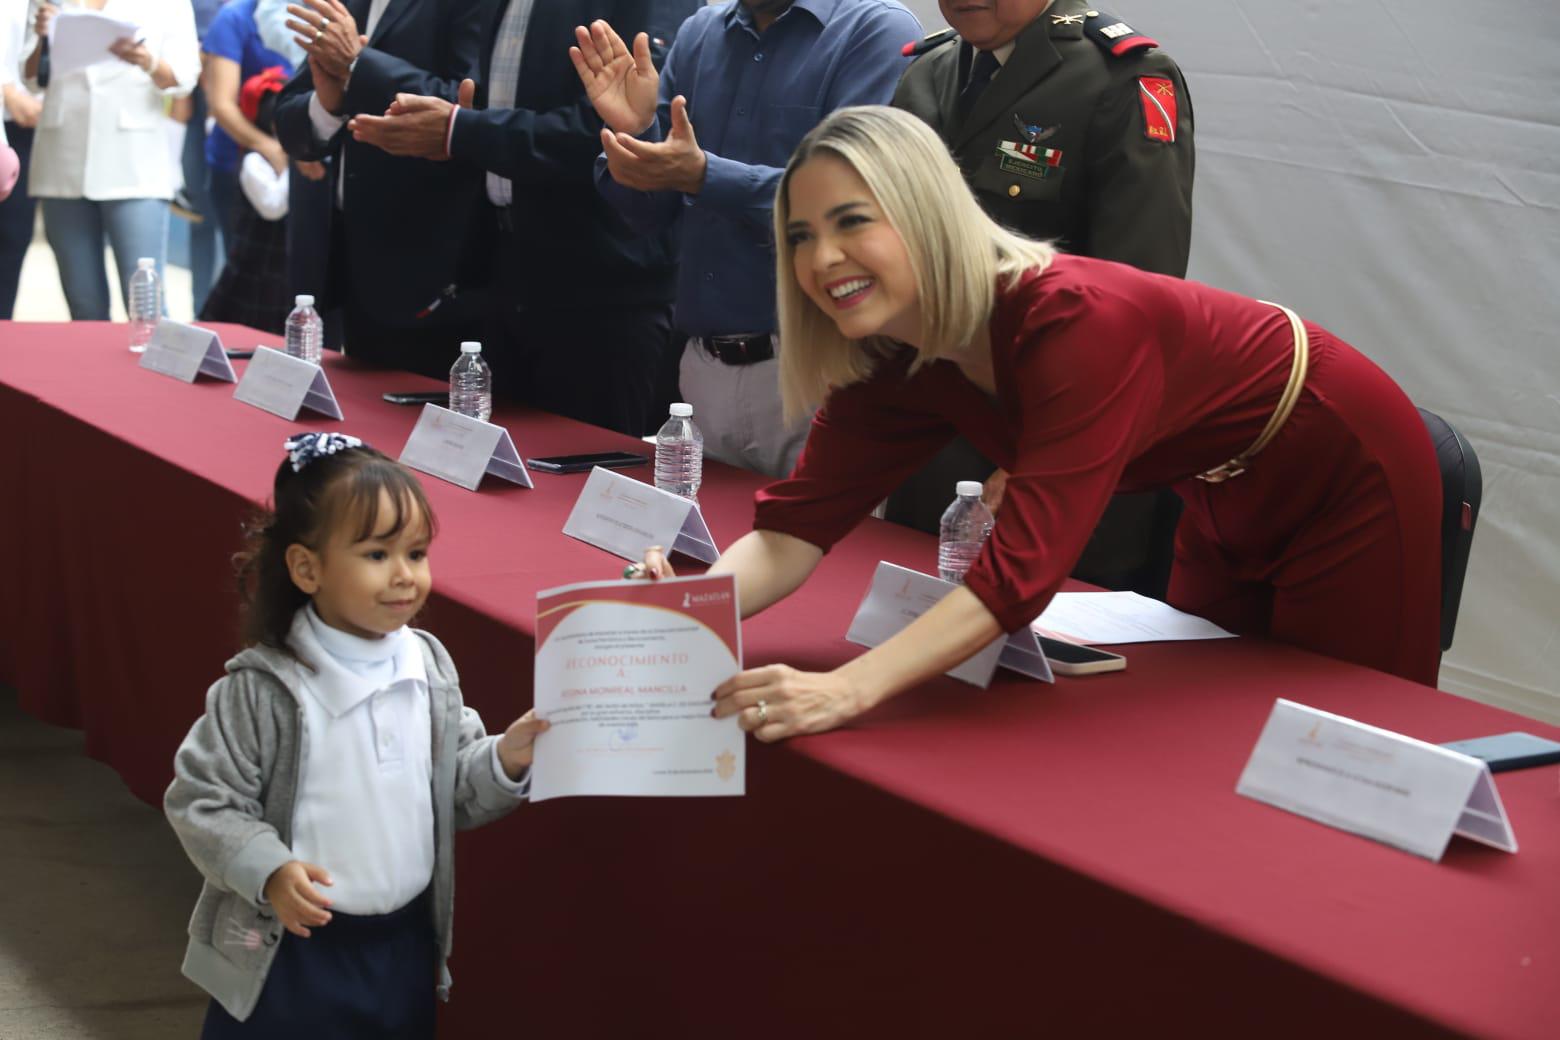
point(320, 792)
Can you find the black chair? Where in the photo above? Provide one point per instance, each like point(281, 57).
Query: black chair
point(1462, 488)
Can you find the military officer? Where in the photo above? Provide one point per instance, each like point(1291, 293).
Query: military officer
point(1068, 123)
point(1071, 125)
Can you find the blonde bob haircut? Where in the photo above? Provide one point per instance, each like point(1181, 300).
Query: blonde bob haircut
point(958, 255)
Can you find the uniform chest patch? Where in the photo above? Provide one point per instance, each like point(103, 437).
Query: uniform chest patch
point(1028, 160)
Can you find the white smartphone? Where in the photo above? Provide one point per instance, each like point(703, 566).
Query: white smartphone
point(1071, 659)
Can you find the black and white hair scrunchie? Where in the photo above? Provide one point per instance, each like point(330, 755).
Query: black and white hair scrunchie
point(306, 447)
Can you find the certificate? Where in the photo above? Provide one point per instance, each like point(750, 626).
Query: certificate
point(625, 671)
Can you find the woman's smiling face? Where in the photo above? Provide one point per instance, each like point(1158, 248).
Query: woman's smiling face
point(846, 256)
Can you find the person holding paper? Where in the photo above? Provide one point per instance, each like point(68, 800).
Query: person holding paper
point(100, 159)
point(320, 792)
point(1311, 488)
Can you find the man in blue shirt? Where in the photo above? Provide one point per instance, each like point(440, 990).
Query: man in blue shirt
point(753, 76)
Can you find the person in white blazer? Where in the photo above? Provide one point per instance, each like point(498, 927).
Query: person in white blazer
point(100, 161)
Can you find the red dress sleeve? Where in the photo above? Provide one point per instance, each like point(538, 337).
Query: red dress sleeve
point(866, 440)
point(1082, 368)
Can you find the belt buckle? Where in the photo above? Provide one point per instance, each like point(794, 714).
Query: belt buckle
point(1219, 474)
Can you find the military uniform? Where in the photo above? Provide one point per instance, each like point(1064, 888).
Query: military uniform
point(1084, 137)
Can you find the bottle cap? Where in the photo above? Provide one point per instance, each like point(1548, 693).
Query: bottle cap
point(968, 488)
point(471, 347)
point(303, 300)
point(682, 411)
point(146, 263)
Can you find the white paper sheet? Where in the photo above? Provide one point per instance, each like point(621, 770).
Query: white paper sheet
point(80, 38)
point(624, 672)
point(1120, 617)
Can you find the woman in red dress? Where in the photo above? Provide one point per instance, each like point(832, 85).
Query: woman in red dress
point(909, 316)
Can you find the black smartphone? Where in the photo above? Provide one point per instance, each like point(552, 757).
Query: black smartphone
point(239, 355)
point(419, 397)
point(1071, 659)
point(581, 463)
point(1509, 750)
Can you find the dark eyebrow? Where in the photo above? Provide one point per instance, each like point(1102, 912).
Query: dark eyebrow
point(841, 208)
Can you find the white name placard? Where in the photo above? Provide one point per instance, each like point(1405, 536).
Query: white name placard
point(462, 450)
point(284, 385)
point(184, 351)
point(1382, 785)
point(899, 595)
point(625, 517)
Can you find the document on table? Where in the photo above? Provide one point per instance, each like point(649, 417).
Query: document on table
point(80, 38)
point(624, 673)
point(1120, 617)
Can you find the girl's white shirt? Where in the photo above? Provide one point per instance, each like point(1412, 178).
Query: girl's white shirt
point(364, 810)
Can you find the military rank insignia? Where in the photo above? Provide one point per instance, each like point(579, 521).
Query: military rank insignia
point(1028, 160)
point(1157, 94)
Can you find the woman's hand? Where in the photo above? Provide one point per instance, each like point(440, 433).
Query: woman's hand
point(46, 13)
point(777, 701)
point(621, 86)
point(133, 52)
point(298, 904)
point(515, 747)
point(272, 152)
point(653, 567)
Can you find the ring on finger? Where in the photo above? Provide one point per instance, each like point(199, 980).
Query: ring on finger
point(763, 712)
point(319, 34)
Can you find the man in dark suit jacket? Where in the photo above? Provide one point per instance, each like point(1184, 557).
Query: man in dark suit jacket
point(1069, 125)
point(581, 306)
point(399, 265)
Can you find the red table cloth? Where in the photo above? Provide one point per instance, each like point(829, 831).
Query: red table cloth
point(1017, 860)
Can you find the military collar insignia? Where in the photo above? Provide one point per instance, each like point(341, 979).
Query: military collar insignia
point(1067, 19)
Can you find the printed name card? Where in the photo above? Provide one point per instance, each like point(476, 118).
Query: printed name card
point(184, 351)
point(898, 595)
point(626, 517)
point(285, 385)
point(1382, 785)
point(462, 450)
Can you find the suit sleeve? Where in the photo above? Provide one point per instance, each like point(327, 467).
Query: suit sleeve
point(378, 77)
point(1140, 188)
point(294, 129)
point(545, 147)
point(1092, 377)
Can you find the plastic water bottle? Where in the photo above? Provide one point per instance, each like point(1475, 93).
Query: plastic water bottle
point(471, 383)
point(145, 303)
point(679, 454)
point(305, 330)
point(965, 525)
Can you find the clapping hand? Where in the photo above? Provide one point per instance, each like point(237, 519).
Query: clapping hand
point(675, 164)
point(621, 86)
point(413, 124)
point(298, 904)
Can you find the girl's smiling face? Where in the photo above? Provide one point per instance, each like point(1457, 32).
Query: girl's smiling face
point(846, 256)
point(370, 586)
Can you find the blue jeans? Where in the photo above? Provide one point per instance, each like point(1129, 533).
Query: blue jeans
point(76, 228)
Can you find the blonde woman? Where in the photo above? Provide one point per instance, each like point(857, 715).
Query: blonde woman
point(909, 315)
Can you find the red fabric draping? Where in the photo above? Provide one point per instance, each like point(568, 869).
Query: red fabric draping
point(1022, 859)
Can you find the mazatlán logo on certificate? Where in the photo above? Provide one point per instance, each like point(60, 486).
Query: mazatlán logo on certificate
point(726, 765)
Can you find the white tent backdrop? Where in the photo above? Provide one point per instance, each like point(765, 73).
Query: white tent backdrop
point(1391, 169)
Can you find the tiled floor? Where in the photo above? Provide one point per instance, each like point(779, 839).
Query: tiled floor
point(94, 896)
